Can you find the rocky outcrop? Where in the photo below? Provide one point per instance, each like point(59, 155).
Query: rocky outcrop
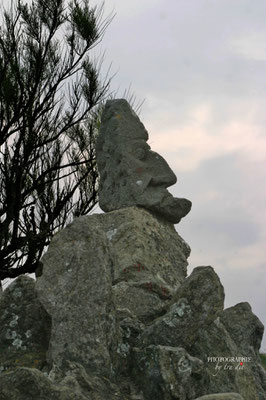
point(194, 306)
point(30, 383)
point(113, 314)
point(165, 372)
point(221, 396)
point(25, 326)
point(87, 264)
point(131, 174)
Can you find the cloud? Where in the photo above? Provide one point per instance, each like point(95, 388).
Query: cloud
point(188, 57)
point(226, 227)
point(132, 10)
point(251, 45)
point(227, 223)
point(199, 139)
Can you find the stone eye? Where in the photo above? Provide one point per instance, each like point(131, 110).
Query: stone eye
point(140, 154)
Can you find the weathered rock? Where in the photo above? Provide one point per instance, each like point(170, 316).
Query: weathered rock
point(130, 173)
point(130, 325)
point(76, 290)
point(126, 322)
point(131, 328)
point(146, 270)
point(30, 383)
point(246, 330)
point(144, 248)
point(128, 249)
point(165, 372)
point(221, 396)
point(141, 299)
point(196, 304)
point(25, 326)
point(244, 327)
point(222, 354)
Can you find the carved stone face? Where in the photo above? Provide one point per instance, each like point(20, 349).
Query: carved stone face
point(130, 173)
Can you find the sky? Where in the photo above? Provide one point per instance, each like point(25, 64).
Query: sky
point(200, 67)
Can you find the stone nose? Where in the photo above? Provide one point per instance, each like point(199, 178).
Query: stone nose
point(164, 180)
point(162, 173)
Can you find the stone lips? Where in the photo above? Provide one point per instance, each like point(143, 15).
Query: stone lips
point(130, 173)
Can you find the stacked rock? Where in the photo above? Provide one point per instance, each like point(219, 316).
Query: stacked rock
point(131, 174)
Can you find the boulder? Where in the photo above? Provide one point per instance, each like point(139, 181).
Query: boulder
point(246, 330)
point(165, 372)
point(145, 270)
point(194, 306)
point(76, 290)
point(244, 327)
point(149, 304)
point(130, 173)
point(30, 383)
point(221, 396)
point(113, 261)
point(25, 326)
point(144, 248)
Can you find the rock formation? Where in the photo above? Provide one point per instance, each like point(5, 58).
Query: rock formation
point(131, 174)
point(221, 396)
point(115, 316)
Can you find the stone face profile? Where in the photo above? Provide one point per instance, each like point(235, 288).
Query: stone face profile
point(130, 173)
point(25, 326)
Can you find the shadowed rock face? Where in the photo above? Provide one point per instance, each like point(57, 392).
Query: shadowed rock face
point(131, 174)
point(25, 327)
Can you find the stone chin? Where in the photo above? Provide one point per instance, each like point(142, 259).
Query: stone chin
point(157, 200)
point(173, 209)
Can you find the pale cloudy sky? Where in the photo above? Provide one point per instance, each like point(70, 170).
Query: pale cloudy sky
point(200, 65)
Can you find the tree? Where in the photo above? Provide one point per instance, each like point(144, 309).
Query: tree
point(50, 101)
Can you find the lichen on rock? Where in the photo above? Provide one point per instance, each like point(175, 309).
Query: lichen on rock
point(130, 173)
